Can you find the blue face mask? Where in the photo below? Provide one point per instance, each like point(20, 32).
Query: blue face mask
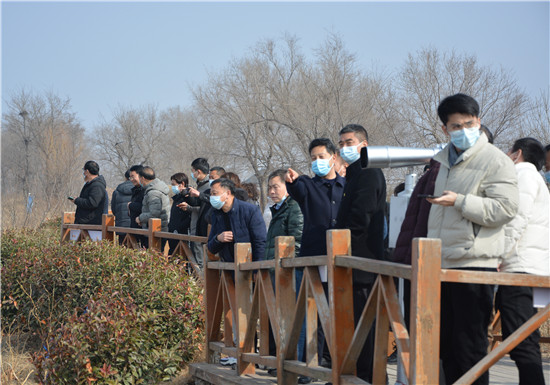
point(175, 190)
point(547, 176)
point(216, 201)
point(193, 177)
point(321, 167)
point(350, 154)
point(210, 181)
point(465, 138)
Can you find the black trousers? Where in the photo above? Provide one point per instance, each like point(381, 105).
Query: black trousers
point(366, 357)
point(465, 316)
point(516, 307)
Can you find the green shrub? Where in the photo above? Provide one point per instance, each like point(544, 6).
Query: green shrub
point(106, 313)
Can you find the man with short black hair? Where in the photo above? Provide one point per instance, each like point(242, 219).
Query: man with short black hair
point(156, 203)
point(362, 211)
point(319, 199)
point(198, 205)
point(477, 194)
point(215, 173)
point(234, 221)
point(91, 202)
point(119, 204)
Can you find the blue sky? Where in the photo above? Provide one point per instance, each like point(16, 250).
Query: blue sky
point(103, 54)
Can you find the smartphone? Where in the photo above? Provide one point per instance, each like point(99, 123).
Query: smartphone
point(70, 198)
point(427, 196)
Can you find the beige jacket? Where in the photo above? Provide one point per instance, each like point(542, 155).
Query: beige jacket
point(472, 231)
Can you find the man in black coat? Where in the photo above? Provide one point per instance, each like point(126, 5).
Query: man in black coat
point(91, 202)
point(134, 206)
point(362, 211)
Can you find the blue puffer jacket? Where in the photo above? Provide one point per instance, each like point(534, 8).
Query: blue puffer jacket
point(247, 225)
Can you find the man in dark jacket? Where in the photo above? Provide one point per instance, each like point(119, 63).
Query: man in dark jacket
point(119, 202)
point(90, 204)
point(286, 220)
point(234, 221)
point(136, 202)
point(179, 220)
point(319, 199)
point(362, 211)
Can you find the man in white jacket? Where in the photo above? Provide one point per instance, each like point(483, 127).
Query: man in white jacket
point(527, 250)
point(476, 195)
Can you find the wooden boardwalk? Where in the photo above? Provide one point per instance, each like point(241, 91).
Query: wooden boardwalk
point(503, 373)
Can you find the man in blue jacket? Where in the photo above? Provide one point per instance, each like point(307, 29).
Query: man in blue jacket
point(234, 221)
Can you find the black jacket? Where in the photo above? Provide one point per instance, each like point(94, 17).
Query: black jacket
point(362, 210)
point(91, 202)
point(119, 203)
point(179, 220)
point(135, 205)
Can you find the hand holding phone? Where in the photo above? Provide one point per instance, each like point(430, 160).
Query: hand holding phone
point(427, 196)
point(70, 198)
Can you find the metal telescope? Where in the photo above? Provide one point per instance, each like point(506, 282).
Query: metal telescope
point(393, 157)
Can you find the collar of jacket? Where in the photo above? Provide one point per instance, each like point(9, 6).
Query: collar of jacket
point(353, 169)
point(443, 155)
point(339, 180)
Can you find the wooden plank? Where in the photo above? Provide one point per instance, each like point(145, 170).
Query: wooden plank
point(180, 237)
point(374, 266)
point(381, 340)
point(298, 367)
point(270, 303)
point(425, 311)
point(83, 227)
point(243, 290)
point(107, 220)
point(128, 230)
point(316, 289)
point(293, 332)
point(251, 323)
point(255, 358)
point(154, 225)
point(257, 265)
point(490, 278)
point(397, 321)
point(229, 307)
point(66, 219)
point(217, 265)
point(213, 305)
point(220, 347)
point(361, 331)
point(263, 336)
point(224, 375)
point(505, 347)
point(285, 298)
point(320, 260)
point(340, 289)
point(352, 380)
point(311, 317)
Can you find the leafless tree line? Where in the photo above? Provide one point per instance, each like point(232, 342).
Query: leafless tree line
point(257, 115)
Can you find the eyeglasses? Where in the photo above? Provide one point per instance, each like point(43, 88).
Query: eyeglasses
point(457, 126)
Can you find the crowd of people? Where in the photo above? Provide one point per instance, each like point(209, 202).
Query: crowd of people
point(490, 209)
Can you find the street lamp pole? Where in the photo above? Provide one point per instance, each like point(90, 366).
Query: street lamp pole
point(26, 141)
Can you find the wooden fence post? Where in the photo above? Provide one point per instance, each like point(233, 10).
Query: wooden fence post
point(243, 299)
point(285, 299)
point(425, 311)
point(340, 287)
point(68, 218)
point(107, 220)
point(155, 224)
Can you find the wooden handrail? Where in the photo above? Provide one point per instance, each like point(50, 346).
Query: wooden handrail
point(239, 305)
point(241, 294)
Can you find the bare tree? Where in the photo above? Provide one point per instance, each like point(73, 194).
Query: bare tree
point(429, 76)
point(132, 136)
point(537, 121)
point(43, 149)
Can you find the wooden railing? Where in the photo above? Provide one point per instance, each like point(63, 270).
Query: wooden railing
point(240, 296)
point(130, 239)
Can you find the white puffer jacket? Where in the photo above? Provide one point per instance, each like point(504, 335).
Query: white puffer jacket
point(472, 231)
point(527, 236)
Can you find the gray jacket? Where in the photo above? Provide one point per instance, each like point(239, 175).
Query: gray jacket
point(472, 231)
point(156, 204)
